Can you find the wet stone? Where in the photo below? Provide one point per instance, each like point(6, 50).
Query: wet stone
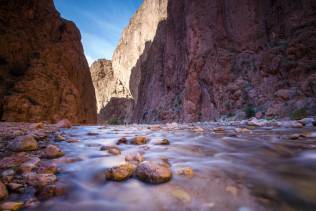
point(65, 123)
point(153, 172)
point(122, 141)
point(40, 180)
point(12, 206)
point(120, 173)
point(134, 158)
point(186, 171)
point(3, 191)
point(23, 143)
point(164, 142)
point(139, 140)
point(52, 152)
point(16, 187)
point(114, 150)
point(59, 137)
point(49, 191)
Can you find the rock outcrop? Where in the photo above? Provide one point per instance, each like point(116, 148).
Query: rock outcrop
point(113, 98)
point(213, 58)
point(141, 30)
point(44, 74)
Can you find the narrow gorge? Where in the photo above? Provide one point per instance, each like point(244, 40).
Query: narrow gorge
point(208, 60)
point(194, 105)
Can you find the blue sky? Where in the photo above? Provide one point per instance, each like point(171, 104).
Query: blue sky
point(101, 23)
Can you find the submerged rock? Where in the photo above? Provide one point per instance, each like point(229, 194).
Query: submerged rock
point(134, 158)
point(186, 171)
point(153, 172)
point(23, 143)
point(114, 150)
point(120, 173)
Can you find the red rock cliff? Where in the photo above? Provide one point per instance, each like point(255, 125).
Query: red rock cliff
point(44, 74)
point(214, 58)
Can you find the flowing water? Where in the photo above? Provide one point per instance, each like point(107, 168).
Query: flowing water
point(261, 170)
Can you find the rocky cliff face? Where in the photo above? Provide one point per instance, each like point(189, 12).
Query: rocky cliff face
point(141, 30)
point(109, 90)
point(44, 74)
point(214, 58)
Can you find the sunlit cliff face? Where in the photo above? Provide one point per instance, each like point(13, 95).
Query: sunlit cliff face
point(141, 29)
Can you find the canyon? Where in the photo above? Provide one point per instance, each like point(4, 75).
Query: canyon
point(220, 94)
point(44, 74)
point(190, 61)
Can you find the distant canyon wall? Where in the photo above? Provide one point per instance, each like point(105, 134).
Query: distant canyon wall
point(113, 98)
point(213, 58)
point(44, 74)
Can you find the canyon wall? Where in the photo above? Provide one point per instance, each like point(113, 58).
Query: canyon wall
point(113, 103)
point(141, 30)
point(223, 57)
point(44, 74)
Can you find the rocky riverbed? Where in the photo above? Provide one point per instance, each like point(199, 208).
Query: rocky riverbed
point(245, 165)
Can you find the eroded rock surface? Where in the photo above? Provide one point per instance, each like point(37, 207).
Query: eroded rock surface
point(43, 72)
point(209, 59)
point(113, 98)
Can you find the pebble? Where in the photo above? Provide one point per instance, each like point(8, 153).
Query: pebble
point(40, 180)
point(53, 151)
point(53, 190)
point(181, 195)
point(186, 171)
point(198, 130)
point(120, 173)
point(23, 143)
point(39, 125)
point(134, 158)
point(114, 150)
point(218, 129)
point(3, 191)
point(257, 122)
point(65, 123)
point(233, 190)
point(121, 141)
point(242, 130)
point(139, 140)
point(163, 142)
point(15, 187)
point(59, 137)
point(12, 206)
point(153, 172)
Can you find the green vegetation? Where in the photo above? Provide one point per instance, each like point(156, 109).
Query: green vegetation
point(250, 111)
point(298, 114)
point(114, 121)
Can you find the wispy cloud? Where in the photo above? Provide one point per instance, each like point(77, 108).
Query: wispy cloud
point(101, 23)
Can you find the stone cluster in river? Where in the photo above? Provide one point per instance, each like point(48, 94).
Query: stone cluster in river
point(27, 162)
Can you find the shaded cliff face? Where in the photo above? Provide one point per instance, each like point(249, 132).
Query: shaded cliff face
point(44, 74)
point(141, 29)
point(214, 58)
point(108, 86)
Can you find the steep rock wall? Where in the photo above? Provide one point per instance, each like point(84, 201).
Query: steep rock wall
point(44, 74)
point(141, 30)
point(214, 58)
point(108, 86)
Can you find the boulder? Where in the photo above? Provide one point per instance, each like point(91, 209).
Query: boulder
point(23, 143)
point(153, 172)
